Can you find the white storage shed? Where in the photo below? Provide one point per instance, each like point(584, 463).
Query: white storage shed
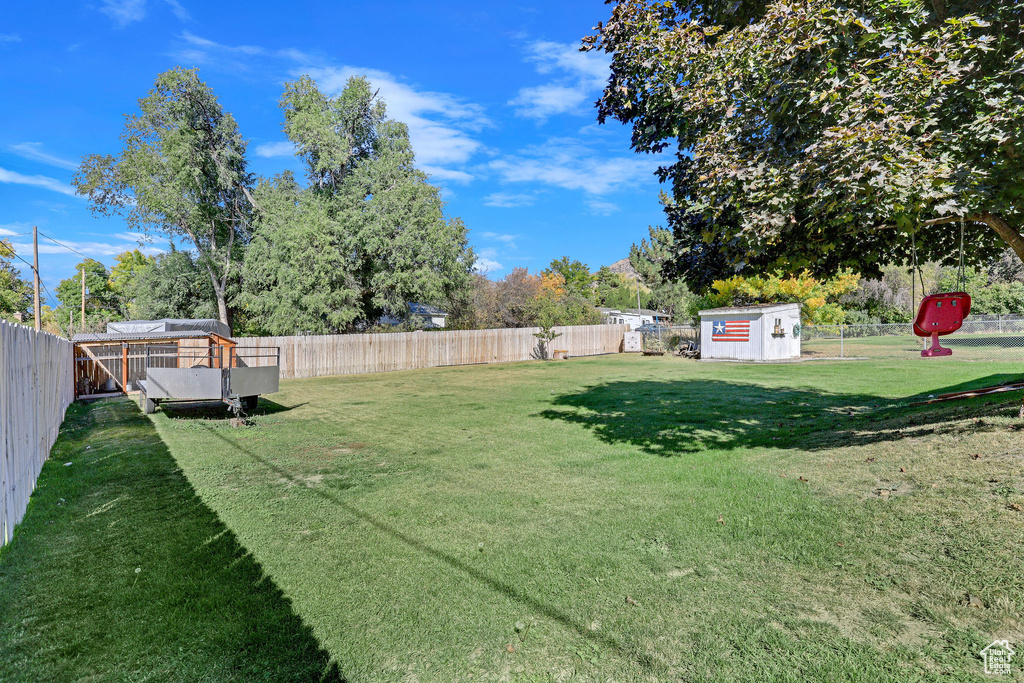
point(754, 333)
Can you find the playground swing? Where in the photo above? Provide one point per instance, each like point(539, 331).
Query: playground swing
point(942, 313)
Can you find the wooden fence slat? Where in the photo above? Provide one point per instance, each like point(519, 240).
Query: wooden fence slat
point(36, 387)
point(349, 354)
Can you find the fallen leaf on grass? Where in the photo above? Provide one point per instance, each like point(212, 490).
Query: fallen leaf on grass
point(510, 648)
point(631, 601)
point(871, 459)
point(782, 475)
point(721, 520)
point(976, 456)
point(902, 469)
point(1016, 506)
point(804, 480)
point(973, 601)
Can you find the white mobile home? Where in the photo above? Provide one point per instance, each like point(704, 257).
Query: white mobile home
point(753, 333)
point(634, 317)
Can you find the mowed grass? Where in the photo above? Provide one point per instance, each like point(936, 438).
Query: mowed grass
point(619, 518)
point(120, 573)
point(966, 347)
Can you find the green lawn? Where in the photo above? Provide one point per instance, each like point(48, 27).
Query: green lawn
point(619, 518)
point(992, 347)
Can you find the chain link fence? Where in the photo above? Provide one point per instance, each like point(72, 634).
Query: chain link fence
point(669, 338)
point(982, 337)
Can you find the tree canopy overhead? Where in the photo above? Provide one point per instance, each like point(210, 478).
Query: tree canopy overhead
point(821, 135)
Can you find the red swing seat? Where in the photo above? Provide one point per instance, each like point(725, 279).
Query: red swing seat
point(940, 314)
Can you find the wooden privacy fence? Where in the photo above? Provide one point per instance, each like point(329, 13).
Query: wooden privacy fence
point(36, 387)
point(350, 354)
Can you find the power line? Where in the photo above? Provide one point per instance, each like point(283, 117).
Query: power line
point(53, 299)
point(64, 245)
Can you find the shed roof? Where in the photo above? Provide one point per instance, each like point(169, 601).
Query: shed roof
point(633, 311)
point(126, 336)
point(425, 309)
point(136, 327)
point(760, 308)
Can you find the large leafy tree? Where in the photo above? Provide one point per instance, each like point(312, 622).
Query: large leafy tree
point(101, 302)
point(129, 265)
point(818, 134)
point(296, 275)
point(182, 173)
point(171, 285)
point(655, 262)
point(575, 274)
point(15, 293)
point(366, 237)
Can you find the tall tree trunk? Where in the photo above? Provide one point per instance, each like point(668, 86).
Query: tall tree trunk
point(222, 309)
point(219, 291)
point(1010, 235)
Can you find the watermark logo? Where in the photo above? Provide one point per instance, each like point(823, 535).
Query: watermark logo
point(997, 657)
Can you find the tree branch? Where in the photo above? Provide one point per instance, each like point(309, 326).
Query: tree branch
point(939, 221)
point(1010, 235)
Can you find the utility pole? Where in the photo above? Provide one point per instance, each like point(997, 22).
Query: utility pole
point(83, 299)
point(639, 315)
point(36, 309)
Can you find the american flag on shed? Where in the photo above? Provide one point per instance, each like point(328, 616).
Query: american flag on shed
point(730, 330)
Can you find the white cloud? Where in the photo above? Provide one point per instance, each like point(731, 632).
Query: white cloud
point(95, 249)
point(551, 57)
point(505, 200)
point(438, 173)
point(275, 149)
point(33, 150)
point(543, 101)
point(199, 41)
point(36, 181)
point(486, 263)
point(178, 10)
point(508, 239)
point(439, 123)
point(10, 38)
point(572, 164)
point(577, 76)
point(11, 229)
point(124, 12)
point(601, 207)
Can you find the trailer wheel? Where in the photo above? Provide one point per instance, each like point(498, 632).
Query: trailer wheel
point(148, 405)
point(249, 403)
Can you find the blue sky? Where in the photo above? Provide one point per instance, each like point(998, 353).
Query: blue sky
point(498, 99)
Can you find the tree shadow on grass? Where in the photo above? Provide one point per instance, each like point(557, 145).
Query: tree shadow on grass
point(120, 571)
point(672, 418)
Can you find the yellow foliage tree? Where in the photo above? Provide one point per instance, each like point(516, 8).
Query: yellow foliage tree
point(552, 285)
point(820, 298)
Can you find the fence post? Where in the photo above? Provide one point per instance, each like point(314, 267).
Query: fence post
point(1000, 323)
point(841, 335)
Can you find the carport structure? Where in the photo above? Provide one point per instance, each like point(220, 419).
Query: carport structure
point(112, 363)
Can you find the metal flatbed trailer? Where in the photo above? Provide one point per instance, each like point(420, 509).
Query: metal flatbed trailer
point(219, 375)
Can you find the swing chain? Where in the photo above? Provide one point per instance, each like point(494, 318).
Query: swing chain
point(917, 267)
point(961, 280)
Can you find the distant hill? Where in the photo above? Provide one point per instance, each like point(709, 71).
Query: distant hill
point(624, 267)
